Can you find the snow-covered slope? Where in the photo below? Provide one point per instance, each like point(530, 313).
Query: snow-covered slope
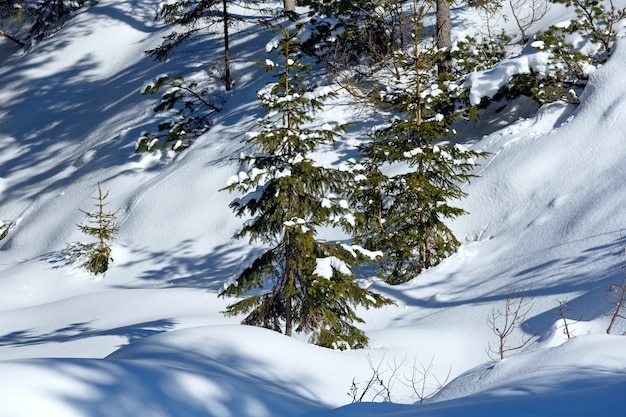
point(148, 338)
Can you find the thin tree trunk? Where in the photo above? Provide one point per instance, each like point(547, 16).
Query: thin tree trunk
point(444, 36)
point(227, 77)
point(418, 118)
point(288, 317)
point(287, 292)
point(290, 5)
point(11, 38)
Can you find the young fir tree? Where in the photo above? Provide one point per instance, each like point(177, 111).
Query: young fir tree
point(408, 174)
point(103, 227)
point(299, 283)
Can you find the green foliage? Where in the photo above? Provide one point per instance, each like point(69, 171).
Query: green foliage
point(403, 214)
point(5, 226)
point(478, 54)
point(407, 173)
point(186, 106)
point(596, 19)
point(537, 86)
point(299, 282)
point(576, 49)
point(101, 225)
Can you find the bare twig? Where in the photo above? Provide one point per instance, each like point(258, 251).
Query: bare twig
point(528, 12)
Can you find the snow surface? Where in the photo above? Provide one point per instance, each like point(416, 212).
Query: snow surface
point(148, 338)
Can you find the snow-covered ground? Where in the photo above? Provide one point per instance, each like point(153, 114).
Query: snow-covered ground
point(148, 338)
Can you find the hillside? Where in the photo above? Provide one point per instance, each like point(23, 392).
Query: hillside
point(148, 338)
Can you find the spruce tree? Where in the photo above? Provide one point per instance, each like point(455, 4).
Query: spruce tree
point(408, 173)
point(100, 224)
point(300, 283)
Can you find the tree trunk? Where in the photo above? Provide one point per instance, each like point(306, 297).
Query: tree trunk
point(227, 78)
point(444, 36)
point(290, 5)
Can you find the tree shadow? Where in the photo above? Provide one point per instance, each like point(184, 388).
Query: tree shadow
point(560, 275)
point(60, 122)
point(178, 383)
point(185, 268)
point(83, 330)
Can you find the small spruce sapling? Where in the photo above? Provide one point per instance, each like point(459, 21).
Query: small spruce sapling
point(102, 225)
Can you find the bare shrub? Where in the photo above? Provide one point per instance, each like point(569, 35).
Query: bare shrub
point(616, 295)
point(420, 377)
point(377, 386)
point(568, 330)
point(421, 380)
point(504, 323)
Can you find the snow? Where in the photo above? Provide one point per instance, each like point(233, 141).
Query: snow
point(546, 218)
point(487, 83)
point(353, 249)
point(324, 267)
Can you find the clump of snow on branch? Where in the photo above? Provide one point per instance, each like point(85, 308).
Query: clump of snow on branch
point(325, 266)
